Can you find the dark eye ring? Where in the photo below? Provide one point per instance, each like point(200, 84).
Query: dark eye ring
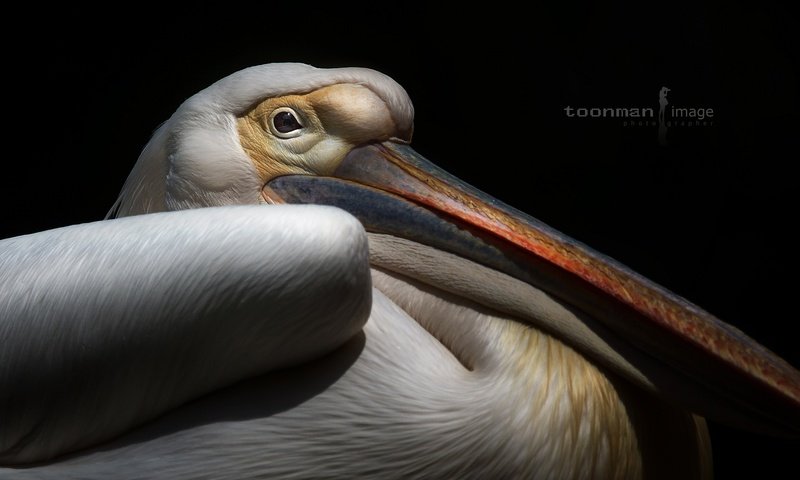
point(285, 123)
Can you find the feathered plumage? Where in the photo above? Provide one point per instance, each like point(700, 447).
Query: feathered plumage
point(123, 340)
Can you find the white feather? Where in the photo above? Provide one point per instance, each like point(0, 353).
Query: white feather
point(106, 325)
point(393, 403)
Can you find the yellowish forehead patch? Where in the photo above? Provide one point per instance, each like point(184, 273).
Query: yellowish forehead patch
point(347, 113)
point(257, 141)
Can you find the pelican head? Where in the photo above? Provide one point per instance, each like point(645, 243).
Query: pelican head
point(226, 142)
point(292, 133)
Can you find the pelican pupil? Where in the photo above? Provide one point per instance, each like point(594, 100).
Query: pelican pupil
point(285, 122)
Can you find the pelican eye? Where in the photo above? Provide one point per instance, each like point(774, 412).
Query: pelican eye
point(284, 123)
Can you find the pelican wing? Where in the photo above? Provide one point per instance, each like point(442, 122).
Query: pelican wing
point(106, 325)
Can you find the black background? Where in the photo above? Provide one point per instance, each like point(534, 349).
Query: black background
point(708, 216)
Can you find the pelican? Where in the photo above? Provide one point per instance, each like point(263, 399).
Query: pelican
point(285, 289)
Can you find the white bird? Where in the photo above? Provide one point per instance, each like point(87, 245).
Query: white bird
point(454, 338)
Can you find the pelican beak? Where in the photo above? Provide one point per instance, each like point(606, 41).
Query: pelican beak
point(394, 190)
